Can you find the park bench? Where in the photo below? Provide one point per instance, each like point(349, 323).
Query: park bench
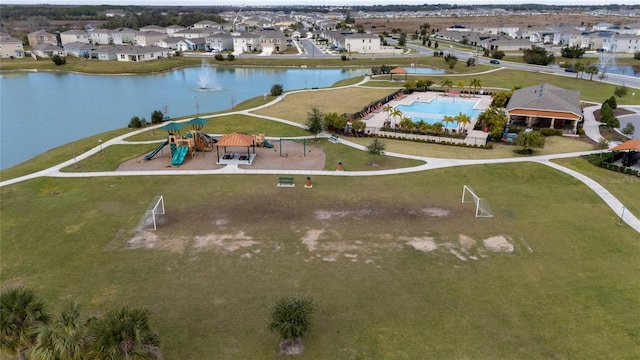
point(285, 182)
point(334, 138)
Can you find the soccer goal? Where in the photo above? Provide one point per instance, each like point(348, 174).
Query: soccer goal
point(482, 205)
point(149, 219)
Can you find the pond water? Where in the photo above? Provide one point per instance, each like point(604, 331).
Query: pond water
point(44, 110)
point(434, 110)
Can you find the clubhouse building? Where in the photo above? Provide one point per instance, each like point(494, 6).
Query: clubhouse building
point(545, 106)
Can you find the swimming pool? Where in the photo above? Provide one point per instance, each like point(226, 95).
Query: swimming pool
point(434, 110)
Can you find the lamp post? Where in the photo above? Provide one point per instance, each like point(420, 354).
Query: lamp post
point(100, 141)
point(621, 215)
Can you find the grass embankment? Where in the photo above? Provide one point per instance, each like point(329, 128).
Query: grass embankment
point(230, 246)
point(295, 107)
point(625, 188)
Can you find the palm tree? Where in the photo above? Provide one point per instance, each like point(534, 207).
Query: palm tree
point(406, 123)
point(22, 313)
point(388, 109)
point(66, 340)
point(446, 83)
point(460, 86)
point(394, 114)
point(592, 70)
point(463, 119)
point(123, 334)
point(476, 83)
point(290, 318)
point(447, 119)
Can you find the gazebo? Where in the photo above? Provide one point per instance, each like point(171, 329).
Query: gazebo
point(236, 140)
point(398, 70)
point(632, 155)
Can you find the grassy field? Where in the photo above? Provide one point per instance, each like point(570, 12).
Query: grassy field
point(398, 267)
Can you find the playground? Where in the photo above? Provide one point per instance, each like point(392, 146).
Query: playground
point(293, 157)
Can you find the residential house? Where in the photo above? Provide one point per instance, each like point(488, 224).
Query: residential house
point(246, 42)
point(79, 49)
point(70, 36)
point(11, 48)
point(171, 43)
point(139, 53)
point(219, 42)
point(123, 36)
point(503, 44)
point(272, 41)
point(362, 43)
point(115, 12)
point(106, 53)
point(153, 28)
point(148, 38)
point(622, 44)
point(545, 106)
point(42, 37)
point(207, 24)
point(101, 37)
point(195, 33)
point(47, 51)
point(171, 29)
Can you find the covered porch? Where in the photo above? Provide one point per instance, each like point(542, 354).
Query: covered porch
point(565, 121)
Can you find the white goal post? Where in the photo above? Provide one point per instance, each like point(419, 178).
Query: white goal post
point(148, 221)
point(482, 205)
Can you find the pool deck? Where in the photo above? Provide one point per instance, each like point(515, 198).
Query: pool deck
point(375, 120)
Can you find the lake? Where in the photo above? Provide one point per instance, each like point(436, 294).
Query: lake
point(44, 110)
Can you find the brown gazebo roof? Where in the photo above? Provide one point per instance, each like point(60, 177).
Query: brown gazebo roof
point(235, 139)
point(628, 145)
point(398, 70)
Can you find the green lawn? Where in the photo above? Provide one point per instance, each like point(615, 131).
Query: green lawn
point(399, 268)
point(230, 246)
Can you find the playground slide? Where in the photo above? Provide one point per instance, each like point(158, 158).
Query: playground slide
point(157, 150)
point(267, 145)
point(178, 157)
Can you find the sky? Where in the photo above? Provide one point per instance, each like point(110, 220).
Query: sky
point(314, 2)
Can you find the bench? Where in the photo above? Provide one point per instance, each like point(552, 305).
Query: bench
point(285, 182)
point(334, 138)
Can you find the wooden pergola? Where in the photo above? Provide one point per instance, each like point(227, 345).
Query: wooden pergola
point(236, 140)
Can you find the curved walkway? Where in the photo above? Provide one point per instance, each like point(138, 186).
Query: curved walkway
point(591, 130)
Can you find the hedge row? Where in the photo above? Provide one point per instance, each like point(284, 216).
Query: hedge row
point(431, 141)
point(605, 161)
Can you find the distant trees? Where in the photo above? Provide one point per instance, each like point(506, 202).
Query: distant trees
point(157, 117)
point(451, 60)
point(573, 52)
point(592, 70)
point(538, 56)
point(137, 122)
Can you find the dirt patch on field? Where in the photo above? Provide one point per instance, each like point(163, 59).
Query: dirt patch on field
point(498, 244)
point(465, 249)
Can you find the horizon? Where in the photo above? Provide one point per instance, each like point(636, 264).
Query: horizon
point(337, 3)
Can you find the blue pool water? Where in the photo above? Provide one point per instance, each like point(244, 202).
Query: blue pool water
point(424, 70)
point(433, 111)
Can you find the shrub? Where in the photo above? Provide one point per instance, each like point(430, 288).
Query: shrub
point(59, 60)
point(219, 57)
point(344, 58)
point(135, 122)
point(231, 57)
point(551, 132)
point(277, 90)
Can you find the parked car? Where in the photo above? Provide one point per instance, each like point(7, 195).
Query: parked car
point(494, 61)
point(569, 69)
